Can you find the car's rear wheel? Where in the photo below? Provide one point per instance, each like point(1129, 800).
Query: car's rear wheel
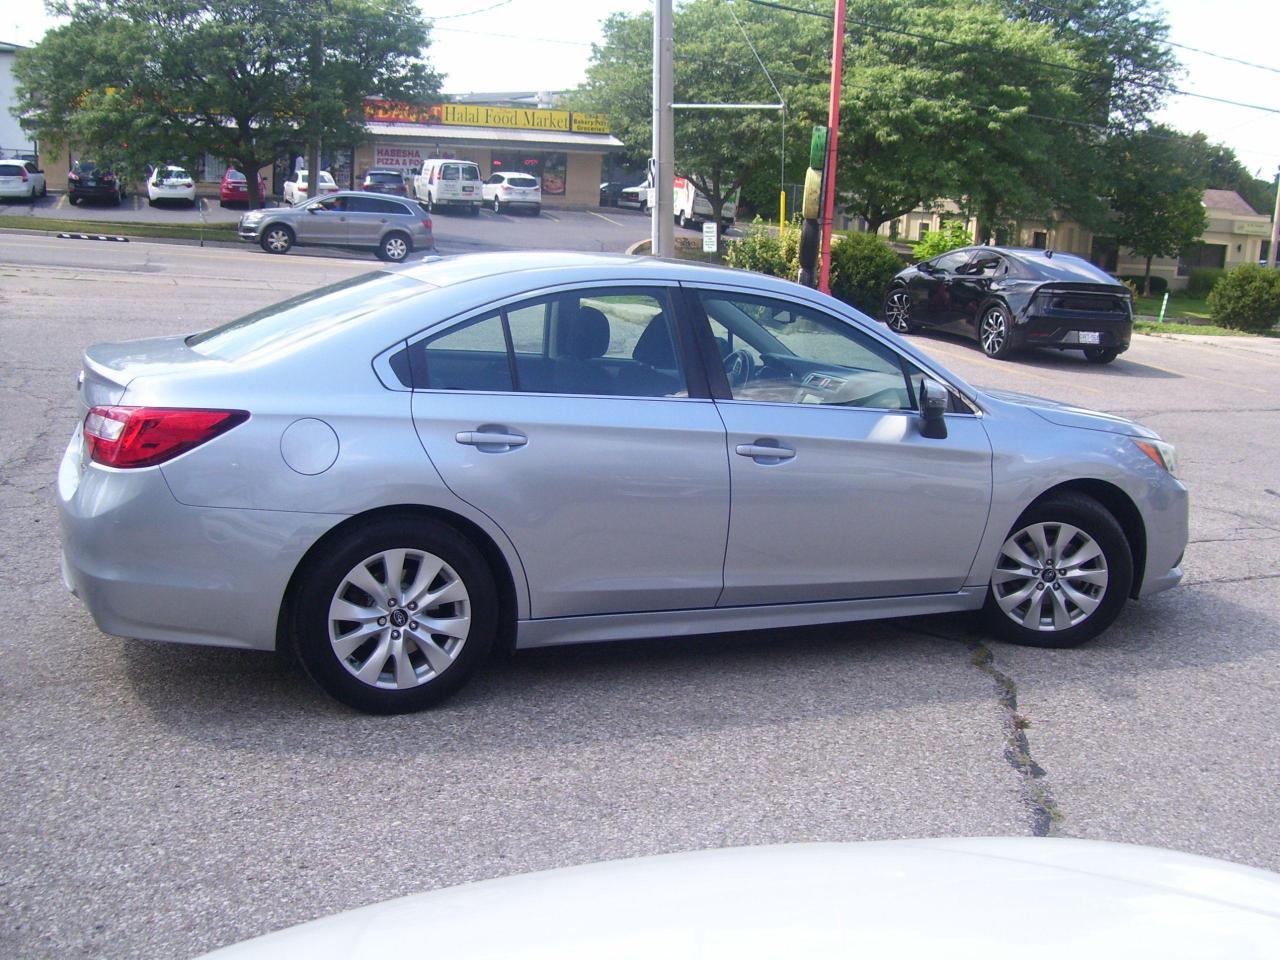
point(497, 205)
point(1062, 575)
point(537, 209)
point(1101, 354)
point(994, 332)
point(897, 310)
point(72, 199)
point(277, 238)
point(395, 615)
point(395, 247)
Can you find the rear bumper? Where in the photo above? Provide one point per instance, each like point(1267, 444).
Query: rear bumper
point(1063, 330)
point(17, 190)
point(99, 192)
point(150, 568)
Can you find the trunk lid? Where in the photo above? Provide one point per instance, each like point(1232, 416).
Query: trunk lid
point(109, 368)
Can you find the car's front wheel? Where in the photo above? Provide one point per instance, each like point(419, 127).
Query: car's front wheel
point(995, 333)
point(277, 238)
point(394, 615)
point(897, 310)
point(1062, 576)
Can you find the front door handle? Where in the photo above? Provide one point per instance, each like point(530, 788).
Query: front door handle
point(764, 452)
point(491, 441)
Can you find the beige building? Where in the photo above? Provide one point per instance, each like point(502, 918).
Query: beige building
point(1235, 235)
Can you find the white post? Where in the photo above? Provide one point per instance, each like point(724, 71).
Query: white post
point(1275, 227)
point(662, 230)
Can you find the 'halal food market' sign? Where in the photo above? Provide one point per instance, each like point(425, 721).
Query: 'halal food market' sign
point(469, 115)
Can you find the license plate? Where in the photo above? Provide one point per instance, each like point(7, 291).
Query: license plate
point(467, 189)
point(1090, 336)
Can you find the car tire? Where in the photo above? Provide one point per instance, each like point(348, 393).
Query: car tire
point(73, 199)
point(897, 310)
point(395, 247)
point(1101, 354)
point(1066, 604)
point(682, 220)
point(277, 238)
point(497, 205)
point(44, 189)
point(354, 573)
point(151, 201)
point(995, 332)
point(117, 200)
point(537, 209)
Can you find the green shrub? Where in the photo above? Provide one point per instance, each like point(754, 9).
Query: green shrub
point(950, 236)
point(861, 267)
point(1247, 298)
point(1202, 280)
point(1158, 284)
point(764, 251)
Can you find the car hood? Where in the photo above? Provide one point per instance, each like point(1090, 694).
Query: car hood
point(962, 898)
point(1066, 415)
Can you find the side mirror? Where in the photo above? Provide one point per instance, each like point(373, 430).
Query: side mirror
point(934, 401)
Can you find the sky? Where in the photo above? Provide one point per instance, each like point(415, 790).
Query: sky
point(489, 45)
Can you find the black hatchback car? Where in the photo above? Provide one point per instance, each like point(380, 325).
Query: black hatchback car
point(384, 181)
point(1008, 299)
point(90, 180)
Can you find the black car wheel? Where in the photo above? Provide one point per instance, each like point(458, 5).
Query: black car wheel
point(1062, 576)
point(277, 238)
point(395, 247)
point(897, 310)
point(73, 199)
point(994, 332)
point(1101, 354)
point(497, 205)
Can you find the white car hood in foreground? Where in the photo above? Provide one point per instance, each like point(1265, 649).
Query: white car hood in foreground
point(935, 899)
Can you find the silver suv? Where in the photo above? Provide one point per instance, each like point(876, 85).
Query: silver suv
point(392, 226)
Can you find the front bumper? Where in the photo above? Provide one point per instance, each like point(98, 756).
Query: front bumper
point(150, 568)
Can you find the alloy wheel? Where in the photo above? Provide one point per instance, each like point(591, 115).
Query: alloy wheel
point(278, 240)
point(994, 332)
point(395, 249)
point(897, 311)
point(1050, 577)
point(399, 619)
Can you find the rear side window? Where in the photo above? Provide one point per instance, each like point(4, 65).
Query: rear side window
point(376, 205)
point(11, 170)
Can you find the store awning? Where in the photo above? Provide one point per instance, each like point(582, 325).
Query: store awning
point(497, 137)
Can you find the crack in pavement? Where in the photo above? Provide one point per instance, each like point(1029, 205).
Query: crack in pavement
point(1249, 579)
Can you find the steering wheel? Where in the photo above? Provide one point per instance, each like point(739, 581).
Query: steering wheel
point(739, 367)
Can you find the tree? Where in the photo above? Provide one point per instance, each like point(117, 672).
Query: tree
point(1226, 172)
point(718, 150)
point(152, 79)
point(1157, 193)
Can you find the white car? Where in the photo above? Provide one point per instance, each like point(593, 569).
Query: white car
point(22, 179)
point(171, 183)
point(297, 187)
point(963, 899)
point(503, 190)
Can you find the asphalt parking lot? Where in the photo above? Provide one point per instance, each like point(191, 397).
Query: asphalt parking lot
point(164, 800)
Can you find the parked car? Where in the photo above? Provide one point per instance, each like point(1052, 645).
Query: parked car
point(234, 187)
point(445, 183)
point(636, 196)
point(398, 472)
point(506, 190)
point(297, 187)
point(90, 181)
point(385, 181)
point(171, 183)
point(1008, 299)
point(22, 179)
point(964, 898)
point(392, 227)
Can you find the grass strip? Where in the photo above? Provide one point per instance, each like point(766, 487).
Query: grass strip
point(212, 231)
point(1199, 329)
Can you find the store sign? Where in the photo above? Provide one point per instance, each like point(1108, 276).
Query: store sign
point(471, 115)
point(1256, 228)
point(392, 157)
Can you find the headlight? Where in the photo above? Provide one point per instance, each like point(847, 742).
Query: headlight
point(1162, 453)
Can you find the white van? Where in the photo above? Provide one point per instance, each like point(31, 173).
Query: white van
point(449, 182)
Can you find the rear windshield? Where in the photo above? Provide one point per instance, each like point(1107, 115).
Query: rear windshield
point(11, 170)
point(1064, 266)
point(460, 171)
point(522, 181)
point(378, 176)
point(87, 166)
point(303, 316)
point(174, 173)
point(235, 175)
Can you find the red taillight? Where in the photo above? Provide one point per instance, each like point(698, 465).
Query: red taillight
point(505, 188)
point(427, 222)
point(107, 177)
point(74, 176)
point(144, 436)
point(25, 178)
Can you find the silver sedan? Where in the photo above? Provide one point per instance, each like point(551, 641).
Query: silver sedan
point(397, 473)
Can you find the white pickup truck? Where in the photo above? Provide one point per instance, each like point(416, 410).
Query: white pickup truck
point(689, 205)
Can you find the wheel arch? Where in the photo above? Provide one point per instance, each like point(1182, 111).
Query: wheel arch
point(1119, 505)
point(502, 576)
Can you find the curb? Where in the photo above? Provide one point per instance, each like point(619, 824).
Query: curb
point(129, 238)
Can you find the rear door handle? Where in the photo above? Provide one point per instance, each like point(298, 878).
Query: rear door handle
point(497, 441)
point(764, 453)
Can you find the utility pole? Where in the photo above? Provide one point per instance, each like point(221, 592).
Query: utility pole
point(313, 140)
point(1275, 226)
point(833, 135)
point(662, 230)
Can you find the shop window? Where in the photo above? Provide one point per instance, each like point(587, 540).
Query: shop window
point(549, 168)
point(1202, 255)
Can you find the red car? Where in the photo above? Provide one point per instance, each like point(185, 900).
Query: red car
point(235, 188)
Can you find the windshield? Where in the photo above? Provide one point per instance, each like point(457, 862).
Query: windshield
point(303, 316)
point(522, 181)
point(86, 166)
point(379, 176)
point(235, 176)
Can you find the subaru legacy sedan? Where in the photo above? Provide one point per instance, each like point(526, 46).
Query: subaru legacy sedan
point(399, 472)
point(1011, 299)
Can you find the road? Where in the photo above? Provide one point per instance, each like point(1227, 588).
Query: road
point(163, 800)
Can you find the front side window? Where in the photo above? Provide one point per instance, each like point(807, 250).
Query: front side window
point(617, 342)
point(781, 352)
point(953, 261)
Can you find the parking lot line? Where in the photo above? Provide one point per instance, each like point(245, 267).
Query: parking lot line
point(550, 217)
point(1022, 370)
point(608, 219)
point(62, 202)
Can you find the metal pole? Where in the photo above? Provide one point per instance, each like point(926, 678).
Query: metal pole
point(833, 135)
point(662, 230)
point(1275, 227)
